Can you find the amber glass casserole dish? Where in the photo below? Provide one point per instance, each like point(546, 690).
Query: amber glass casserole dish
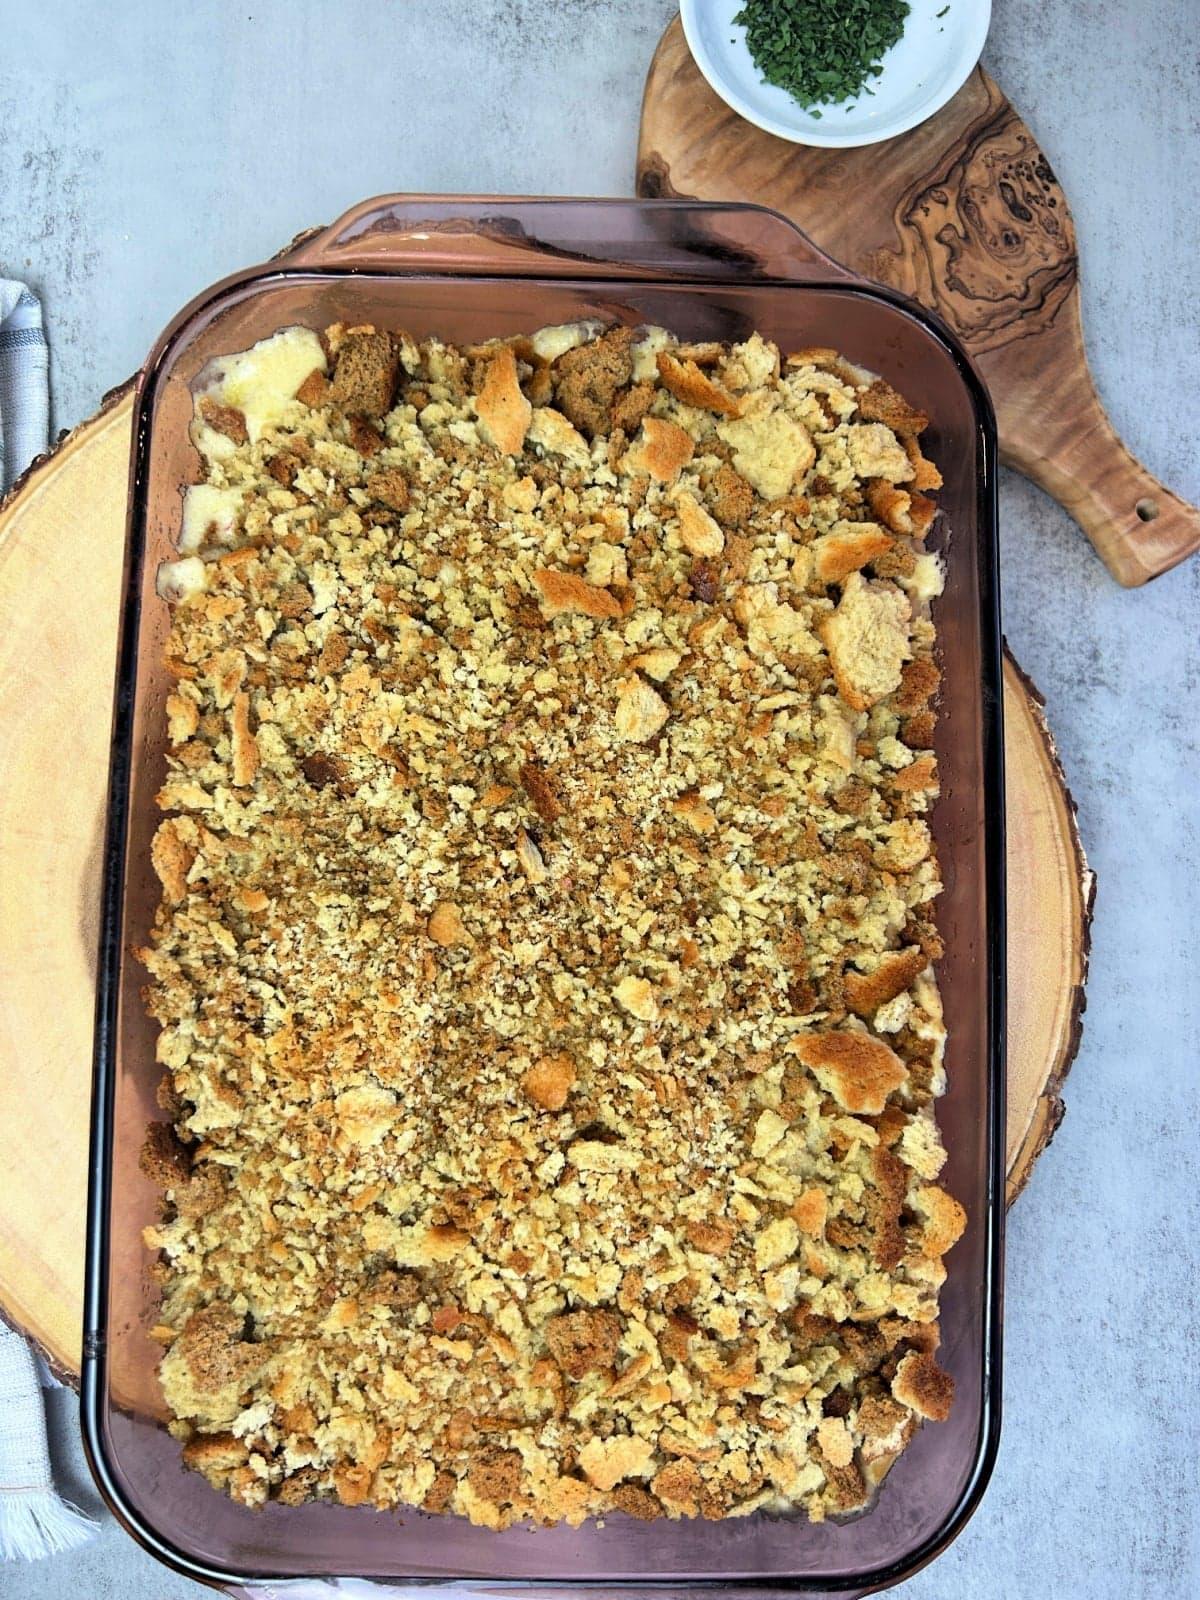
point(469, 270)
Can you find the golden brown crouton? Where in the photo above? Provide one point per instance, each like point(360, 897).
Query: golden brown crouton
point(314, 391)
point(921, 512)
point(679, 1486)
point(845, 1488)
point(495, 1475)
point(714, 1237)
point(867, 640)
point(298, 1487)
point(919, 682)
point(214, 1453)
point(390, 488)
point(809, 1211)
point(879, 1417)
point(608, 1461)
point(636, 1502)
point(551, 430)
point(921, 1384)
point(640, 711)
point(879, 402)
point(699, 534)
point(630, 406)
point(661, 449)
point(851, 546)
point(884, 1205)
point(439, 1493)
point(224, 419)
point(588, 378)
point(705, 353)
point(919, 774)
point(686, 382)
point(364, 379)
point(565, 592)
point(163, 1159)
point(214, 1352)
point(898, 562)
point(890, 504)
point(368, 441)
point(924, 474)
point(445, 926)
point(731, 497)
point(548, 1082)
point(856, 1069)
point(542, 788)
point(244, 745)
point(171, 855)
point(504, 412)
point(944, 1219)
point(353, 1483)
point(584, 1341)
point(918, 730)
point(206, 1188)
point(867, 991)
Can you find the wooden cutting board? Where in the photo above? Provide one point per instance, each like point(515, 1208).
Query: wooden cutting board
point(965, 214)
point(62, 533)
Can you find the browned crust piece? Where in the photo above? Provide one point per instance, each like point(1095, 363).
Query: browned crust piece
point(589, 379)
point(859, 1071)
point(224, 419)
point(867, 991)
point(879, 402)
point(583, 1341)
point(662, 449)
point(921, 1384)
point(503, 410)
point(390, 488)
point(365, 373)
point(837, 555)
point(565, 592)
point(730, 497)
point(314, 391)
point(686, 382)
point(549, 1082)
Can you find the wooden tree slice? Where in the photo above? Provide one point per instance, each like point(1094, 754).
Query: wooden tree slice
point(62, 535)
point(1051, 892)
point(965, 214)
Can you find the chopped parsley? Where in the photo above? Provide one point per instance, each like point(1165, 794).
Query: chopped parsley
point(821, 51)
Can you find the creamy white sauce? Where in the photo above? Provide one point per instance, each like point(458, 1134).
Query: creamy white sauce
point(262, 381)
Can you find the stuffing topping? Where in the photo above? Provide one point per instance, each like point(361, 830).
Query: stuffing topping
point(545, 961)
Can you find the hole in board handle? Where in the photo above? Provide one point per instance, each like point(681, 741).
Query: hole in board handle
point(1147, 510)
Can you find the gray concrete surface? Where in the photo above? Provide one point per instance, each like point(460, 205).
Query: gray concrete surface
point(147, 149)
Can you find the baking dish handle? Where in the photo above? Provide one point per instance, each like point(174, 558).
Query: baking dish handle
point(499, 235)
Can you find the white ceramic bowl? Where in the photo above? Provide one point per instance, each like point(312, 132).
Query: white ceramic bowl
point(929, 63)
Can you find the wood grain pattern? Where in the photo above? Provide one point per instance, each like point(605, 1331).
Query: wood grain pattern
point(62, 534)
point(61, 548)
point(965, 214)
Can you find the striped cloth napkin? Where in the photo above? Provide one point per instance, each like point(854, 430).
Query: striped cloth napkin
point(34, 1521)
point(24, 381)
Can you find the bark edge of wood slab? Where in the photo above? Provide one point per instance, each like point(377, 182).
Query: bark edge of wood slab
point(963, 213)
point(52, 789)
point(1044, 804)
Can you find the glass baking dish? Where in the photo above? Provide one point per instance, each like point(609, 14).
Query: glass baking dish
point(469, 269)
